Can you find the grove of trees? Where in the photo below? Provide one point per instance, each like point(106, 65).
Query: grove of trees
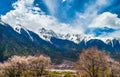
point(95, 63)
point(23, 66)
point(91, 63)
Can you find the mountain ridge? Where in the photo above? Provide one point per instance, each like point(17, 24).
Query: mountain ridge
point(20, 41)
point(76, 38)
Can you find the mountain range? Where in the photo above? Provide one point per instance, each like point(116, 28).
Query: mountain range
point(21, 41)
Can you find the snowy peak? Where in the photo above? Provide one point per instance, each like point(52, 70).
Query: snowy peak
point(110, 44)
point(49, 32)
point(19, 28)
point(76, 38)
point(73, 37)
point(46, 34)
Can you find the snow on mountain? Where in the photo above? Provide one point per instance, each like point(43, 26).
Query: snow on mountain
point(76, 38)
point(2, 22)
point(46, 35)
point(18, 29)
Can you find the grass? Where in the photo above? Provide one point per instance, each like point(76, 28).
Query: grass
point(56, 74)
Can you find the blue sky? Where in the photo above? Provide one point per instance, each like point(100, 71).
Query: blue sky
point(65, 10)
point(98, 17)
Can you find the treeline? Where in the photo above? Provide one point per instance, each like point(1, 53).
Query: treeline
point(91, 63)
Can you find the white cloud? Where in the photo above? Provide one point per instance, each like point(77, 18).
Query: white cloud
point(91, 11)
point(106, 19)
point(63, 0)
point(112, 35)
point(34, 20)
point(103, 2)
point(115, 34)
point(52, 5)
point(91, 19)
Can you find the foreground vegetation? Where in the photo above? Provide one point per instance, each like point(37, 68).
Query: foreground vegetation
point(95, 63)
point(91, 63)
point(25, 66)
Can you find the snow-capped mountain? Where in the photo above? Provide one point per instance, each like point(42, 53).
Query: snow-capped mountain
point(47, 34)
point(23, 41)
point(76, 38)
point(40, 17)
point(58, 28)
